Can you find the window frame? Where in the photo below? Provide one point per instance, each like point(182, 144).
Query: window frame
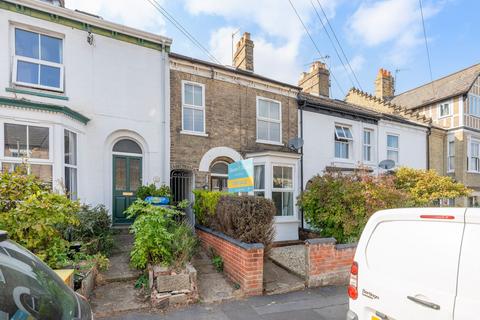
point(16, 58)
point(397, 149)
point(259, 118)
point(264, 190)
point(451, 156)
point(450, 111)
point(194, 107)
point(470, 97)
point(371, 145)
point(27, 160)
point(71, 166)
point(343, 140)
point(283, 190)
point(471, 158)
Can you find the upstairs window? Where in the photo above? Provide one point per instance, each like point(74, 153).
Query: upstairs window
point(38, 60)
point(444, 109)
point(393, 148)
point(269, 121)
point(193, 108)
point(343, 142)
point(474, 105)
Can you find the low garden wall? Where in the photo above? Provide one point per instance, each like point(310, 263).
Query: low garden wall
point(242, 262)
point(328, 263)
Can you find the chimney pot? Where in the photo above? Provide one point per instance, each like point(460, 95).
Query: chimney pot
point(243, 57)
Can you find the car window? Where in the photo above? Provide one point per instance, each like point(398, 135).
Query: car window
point(29, 287)
point(421, 252)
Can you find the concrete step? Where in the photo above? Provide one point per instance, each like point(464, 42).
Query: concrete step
point(123, 243)
point(117, 297)
point(119, 269)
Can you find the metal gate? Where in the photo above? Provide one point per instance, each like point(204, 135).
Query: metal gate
point(181, 186)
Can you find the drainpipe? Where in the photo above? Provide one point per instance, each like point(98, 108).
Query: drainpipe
point(301, 156)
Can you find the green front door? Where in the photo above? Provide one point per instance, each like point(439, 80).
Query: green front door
point(127, 177)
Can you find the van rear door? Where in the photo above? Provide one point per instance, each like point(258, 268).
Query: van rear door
point(468, 296)
point(411, 263)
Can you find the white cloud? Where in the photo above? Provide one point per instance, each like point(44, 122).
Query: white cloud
point(394, 22)
point(278, 32)
point(139, 14)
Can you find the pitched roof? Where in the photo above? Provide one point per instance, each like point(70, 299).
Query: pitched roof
point(342, 107)
point(449, 86)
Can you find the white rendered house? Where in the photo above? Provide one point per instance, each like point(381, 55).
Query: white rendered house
point(84, 102)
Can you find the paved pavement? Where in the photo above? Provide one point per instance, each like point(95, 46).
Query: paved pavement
point(328, 303)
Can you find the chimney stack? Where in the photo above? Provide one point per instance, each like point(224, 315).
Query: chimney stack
point(317, 80)
point(243, 57)
point(384, 85)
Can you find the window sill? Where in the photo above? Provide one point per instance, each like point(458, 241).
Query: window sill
point(193, 133)
point(270, 142)
point(475, 172)
point(342, 160)
point(444, 117)
point(38, 93)
point(286, 219)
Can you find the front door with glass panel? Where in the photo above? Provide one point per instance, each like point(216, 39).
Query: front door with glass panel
point(127, 177)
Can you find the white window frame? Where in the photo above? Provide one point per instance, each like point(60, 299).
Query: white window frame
point(392, 148)
point(259, 118)
point(470, 156)
point(29, 161)
point(450, 107)
point(194, 107)
point(371, 145)
point(451, 156)
point(283, 190)
point(264, 190)
point(470, 97)
point(40, 62)
point(343, 140)
point(67, 165)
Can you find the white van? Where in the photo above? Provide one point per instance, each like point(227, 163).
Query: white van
point(417, 263)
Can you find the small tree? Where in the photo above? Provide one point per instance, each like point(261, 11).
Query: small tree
point(427, 186)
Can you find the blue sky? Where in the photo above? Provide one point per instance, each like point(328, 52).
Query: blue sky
point(373, 34)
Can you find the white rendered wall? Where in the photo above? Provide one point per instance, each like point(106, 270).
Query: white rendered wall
point(123, 88)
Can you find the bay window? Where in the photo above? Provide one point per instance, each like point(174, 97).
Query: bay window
point(269, 121)
point(38, 60)
point(70, 164)
point(27, 144)
point(343, 142)
point(259, 180)
point(193, 108)
point(282, 190)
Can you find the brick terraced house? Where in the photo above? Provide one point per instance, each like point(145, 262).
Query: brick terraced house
point(224, 114)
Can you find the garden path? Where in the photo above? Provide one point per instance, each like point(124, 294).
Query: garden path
point(115, 291)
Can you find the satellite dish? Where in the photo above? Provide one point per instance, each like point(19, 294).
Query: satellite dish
point(295, 143)
point(387, 164)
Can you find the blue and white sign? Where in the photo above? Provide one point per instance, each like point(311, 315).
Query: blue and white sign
point(240, 176)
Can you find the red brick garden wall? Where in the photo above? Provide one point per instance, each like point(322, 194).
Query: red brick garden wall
point(328, 263)
point(242, 262)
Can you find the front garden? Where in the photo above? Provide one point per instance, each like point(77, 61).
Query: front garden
point(61, 232)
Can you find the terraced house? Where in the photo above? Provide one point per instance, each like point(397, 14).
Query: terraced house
point(222, 114)
point(83, 101)
point(452, 105)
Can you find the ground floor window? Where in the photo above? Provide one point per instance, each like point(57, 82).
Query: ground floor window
point(259, 180)
point(70, 164)
point(219, 176)
point(473, 202)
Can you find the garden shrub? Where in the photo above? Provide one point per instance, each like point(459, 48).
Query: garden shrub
point(246, 218)
point(94, 229)
point(36, 223)
point(159, 238)
point(205, 205)
point(426, 187)
point(339, 206)
point(151, 190)
point(17, 186)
